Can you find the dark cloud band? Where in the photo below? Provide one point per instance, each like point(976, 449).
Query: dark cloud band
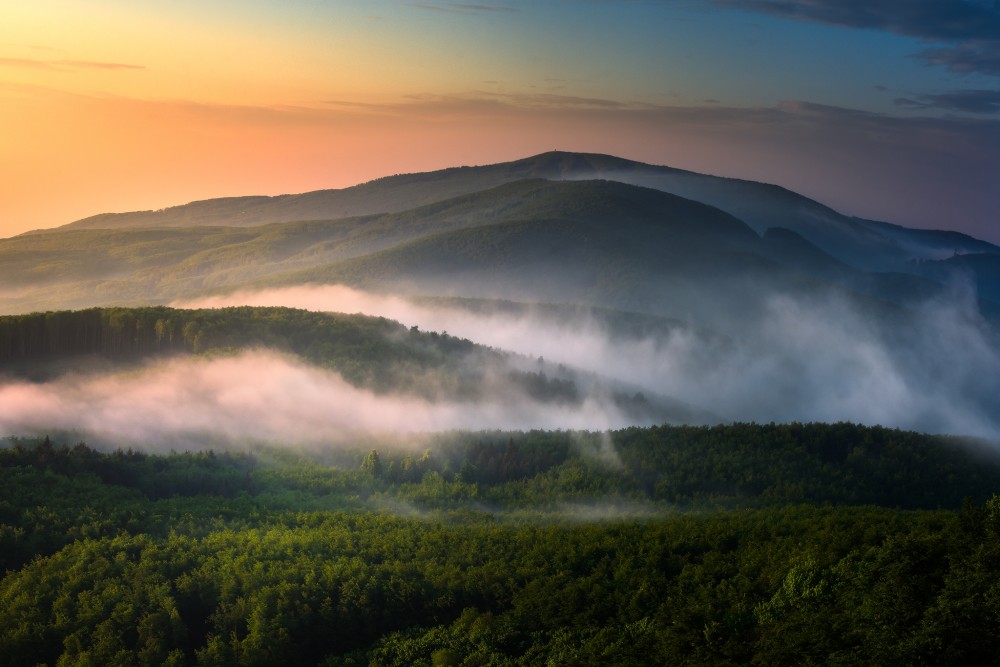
point(460, 7)
point(967, 30)
point(953, 20)
point(967, 101)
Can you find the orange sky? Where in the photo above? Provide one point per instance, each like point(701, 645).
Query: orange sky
point(105, 106)
point(114, 105)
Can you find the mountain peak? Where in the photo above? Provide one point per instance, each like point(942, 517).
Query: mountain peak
point(564, 164)
point(860, 244)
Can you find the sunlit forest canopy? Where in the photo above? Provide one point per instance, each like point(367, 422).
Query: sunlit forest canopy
point(742, 543)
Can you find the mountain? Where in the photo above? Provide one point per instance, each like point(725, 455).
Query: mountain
point(530, 231)
point(626, 451)
point(864, 244)
point(389, 194)
point(597, 242)
point(507, 230)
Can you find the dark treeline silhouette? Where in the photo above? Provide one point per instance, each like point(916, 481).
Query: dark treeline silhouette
point(122, 332)
point(93, 331)
point(373, 352)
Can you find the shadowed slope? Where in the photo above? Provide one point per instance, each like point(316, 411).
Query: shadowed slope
point(863, 244)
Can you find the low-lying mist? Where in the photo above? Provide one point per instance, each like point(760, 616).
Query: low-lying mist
point(257, 397)
point(936, 369)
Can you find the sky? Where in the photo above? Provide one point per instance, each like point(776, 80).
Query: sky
point(888, 110)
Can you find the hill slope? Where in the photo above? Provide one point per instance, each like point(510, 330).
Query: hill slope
point(863, 244)
point(82, 267)
point(371, 353)
point(600, 243)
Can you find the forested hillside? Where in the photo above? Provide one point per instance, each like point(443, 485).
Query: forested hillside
point(368, 352)
point(749, 544)
point(864, 244)
point(371, 353)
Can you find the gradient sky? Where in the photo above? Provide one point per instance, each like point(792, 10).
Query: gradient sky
point(887, 110)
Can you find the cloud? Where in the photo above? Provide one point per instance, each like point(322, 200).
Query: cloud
point(967, 101)
point(64, 65)
point(257, 397)
point(974, 56)
point(925, 19)
point(550, 100)
point(970, 30)
point(805, 360)
point(460, 7)
point(815, 360)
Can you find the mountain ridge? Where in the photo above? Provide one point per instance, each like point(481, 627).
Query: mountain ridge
point(588, 228)
point(863, 244)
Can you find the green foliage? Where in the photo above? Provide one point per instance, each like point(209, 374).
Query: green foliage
point(274, 558)
point(368, 351)
point(372, 465)
point(788, 463)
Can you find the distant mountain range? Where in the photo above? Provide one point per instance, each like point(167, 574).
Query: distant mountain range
point(863, 243)
point(557, 227)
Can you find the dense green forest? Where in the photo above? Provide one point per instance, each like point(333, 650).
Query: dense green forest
point(369, 352)
point(365, 350)
point(747, 543)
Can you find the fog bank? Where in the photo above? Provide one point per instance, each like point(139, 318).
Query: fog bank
point(256, 397)
point(937, 370)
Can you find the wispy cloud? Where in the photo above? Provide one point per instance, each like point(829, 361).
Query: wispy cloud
point(816, 359)
point(259, 396)
point(550, 100)
point(461, 7)
point(968, 101)
point(926, 19)
point(483, 100)
point(969, 31)
point(65, 65)
point(982, 56)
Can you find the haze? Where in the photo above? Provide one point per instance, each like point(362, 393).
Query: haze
point(254, 398)
point(799, 362)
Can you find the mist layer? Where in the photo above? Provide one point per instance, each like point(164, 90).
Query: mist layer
point(256, 397)
point(937, 370)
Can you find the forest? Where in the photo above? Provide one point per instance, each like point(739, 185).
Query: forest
point(735, 544)
point(373, 354)
point(368, 351)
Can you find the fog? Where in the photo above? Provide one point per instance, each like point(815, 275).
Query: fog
point(936, 370)
point(255, 397)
